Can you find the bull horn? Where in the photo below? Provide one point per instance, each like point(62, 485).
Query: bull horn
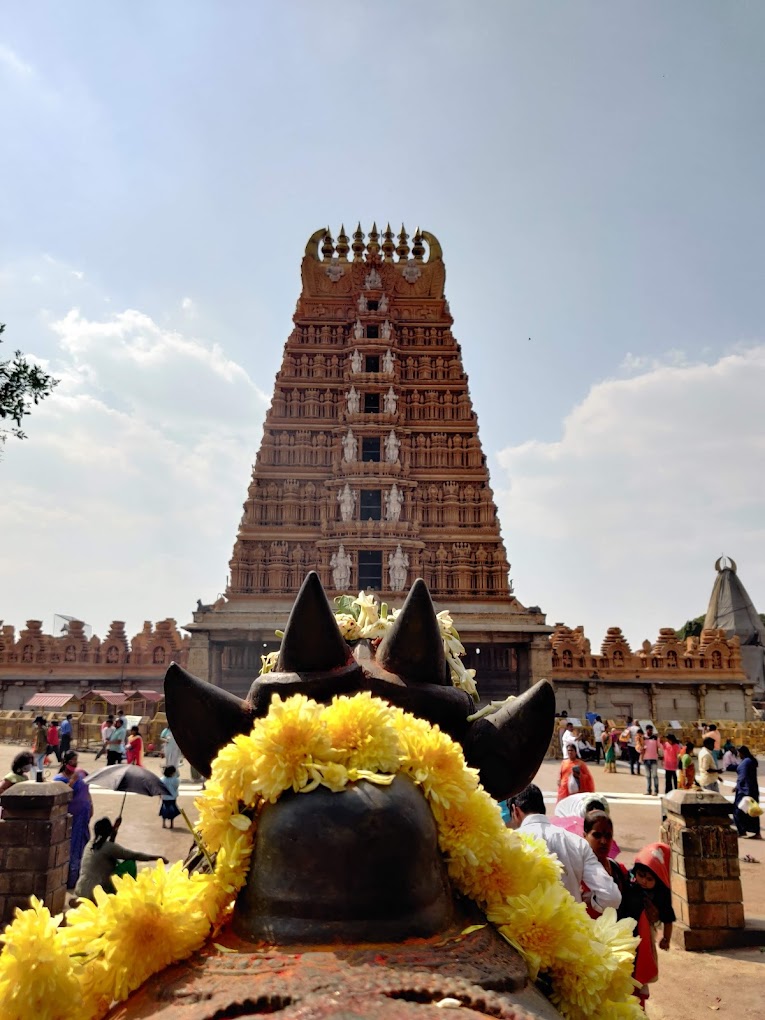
point(312, 641)
point(508, 747)
point(202, 718)
point(412, 647)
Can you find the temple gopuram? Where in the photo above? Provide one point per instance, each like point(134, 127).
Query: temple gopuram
point(371, 471)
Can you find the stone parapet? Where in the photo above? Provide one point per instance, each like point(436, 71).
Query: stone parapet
point(35, 833)
point(705, 875)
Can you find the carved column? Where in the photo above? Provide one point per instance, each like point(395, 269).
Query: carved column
point(701, 699)
point(216, 664)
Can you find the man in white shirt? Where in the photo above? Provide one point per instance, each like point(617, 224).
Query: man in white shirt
point(567, 737)
point(707, 772)
point(527, 814)
point(598, 729)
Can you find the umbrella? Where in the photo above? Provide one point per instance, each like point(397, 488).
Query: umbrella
point(127, 778)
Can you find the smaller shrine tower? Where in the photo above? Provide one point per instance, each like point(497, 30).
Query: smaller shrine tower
point(371, 470)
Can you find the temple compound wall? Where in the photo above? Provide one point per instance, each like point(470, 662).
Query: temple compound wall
point(371, 470)
point(697, 678)
point(73, 662)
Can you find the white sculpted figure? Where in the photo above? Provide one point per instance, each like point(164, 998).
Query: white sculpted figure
point(341, 569)
point(354, 401)
point(390, 402)
point(385, 330)
point(398, 563)
point(358, 330)
point(349, 447)
point(383, 306)
point(387, 360)
point(392, 446)
point(394, 501)
point(356, 361)
point(346, 497)
point(361, 304)
point(373, 280)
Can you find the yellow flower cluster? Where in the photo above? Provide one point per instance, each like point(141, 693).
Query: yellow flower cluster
point(109, 948)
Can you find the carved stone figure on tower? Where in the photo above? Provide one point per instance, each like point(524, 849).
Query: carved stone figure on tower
point(354, 401)
point(358, 331)
point(390, 401)
point(357, 361)
point(392, 446)
point(341, 569)
point(398, 563)
point(346, 497)
point(394, 502)
point(385, 331)
point(383, 306)
point(373, 280)
point(388, 358)
point(361, 304)
point(349, 447)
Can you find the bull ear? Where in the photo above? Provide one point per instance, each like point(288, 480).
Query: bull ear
point(312, 641)
point(412, 647)
point(202, 718)
point(508, 747)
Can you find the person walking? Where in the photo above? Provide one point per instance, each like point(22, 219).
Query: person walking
point(527, 814)
point(80, 808)
point(598, 729)
point(687, 777)
point(632, 749)
point(40, 743)
point(115, 744)
point(746, 786)
point(611, 743)
point(575, 776)
point(134, 747)
point(65, 735)
point(671, 750)
point(650, 758)
point(168, 809)
point(53, 740)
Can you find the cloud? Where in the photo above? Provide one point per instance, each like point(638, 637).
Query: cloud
point(124, 501)
point(654, 476)
point(13, 63)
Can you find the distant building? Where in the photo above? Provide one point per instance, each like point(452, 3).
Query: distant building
point(710, 677)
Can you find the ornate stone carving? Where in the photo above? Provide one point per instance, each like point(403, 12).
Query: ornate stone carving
point(358, 330)
point(385, 331)
point(361, 304)
point(334, 272)
point(387, 360)
point(373, 280)
point(383, 306)
point(349, 447)
point(390, 401)
point(353, 400)
point(346, 498)
point(392, 447)
point(411, 273)
point(341, 564)
point(394, 502)
point(398, 564)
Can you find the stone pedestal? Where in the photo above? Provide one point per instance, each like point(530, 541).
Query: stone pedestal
point(35, 833)
point(706, 883)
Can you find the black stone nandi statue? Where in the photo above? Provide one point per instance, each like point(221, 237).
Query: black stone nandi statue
point(362, 865)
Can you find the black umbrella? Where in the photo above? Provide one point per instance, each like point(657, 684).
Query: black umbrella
point(128, 779)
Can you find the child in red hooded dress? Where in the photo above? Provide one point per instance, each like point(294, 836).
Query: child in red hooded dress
point(651, 904)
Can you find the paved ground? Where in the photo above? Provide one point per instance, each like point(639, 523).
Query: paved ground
point(688, 983)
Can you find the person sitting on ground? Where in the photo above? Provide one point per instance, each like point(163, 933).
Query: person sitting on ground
point(730, 759)
point(574, 776)
point(527, 814)
point(21, 766)
point(102, 857)
point(599, 833)
point(707, 772)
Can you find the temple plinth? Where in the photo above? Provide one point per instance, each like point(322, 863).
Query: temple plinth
point(371, 471)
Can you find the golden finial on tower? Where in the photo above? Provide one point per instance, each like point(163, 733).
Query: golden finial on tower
point(373, 245)
point(342, 245)
point(388, 246)
point(358, 244)
point(402, 249)
point(327, 249)
point(418, 248)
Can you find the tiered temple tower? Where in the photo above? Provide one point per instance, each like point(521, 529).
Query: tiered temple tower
point(371, 471)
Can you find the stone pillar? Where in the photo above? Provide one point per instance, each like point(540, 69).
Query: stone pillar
point(653, 690)
point(706, 887)
point(592, 697)
point(701, 698)
point(35, 832)
point(216, 664)
point(540, 658)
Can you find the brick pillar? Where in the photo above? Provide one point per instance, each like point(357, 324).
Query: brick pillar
point(35, 832)
point(706, 887)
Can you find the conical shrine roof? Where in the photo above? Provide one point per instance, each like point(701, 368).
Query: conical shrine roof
point(730, 607)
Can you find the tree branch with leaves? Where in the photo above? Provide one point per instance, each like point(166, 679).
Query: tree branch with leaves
point(22, 384)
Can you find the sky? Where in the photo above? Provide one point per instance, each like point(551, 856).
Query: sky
point(593, 172)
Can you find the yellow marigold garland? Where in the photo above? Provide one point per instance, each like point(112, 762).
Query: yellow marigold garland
point(107, 949)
